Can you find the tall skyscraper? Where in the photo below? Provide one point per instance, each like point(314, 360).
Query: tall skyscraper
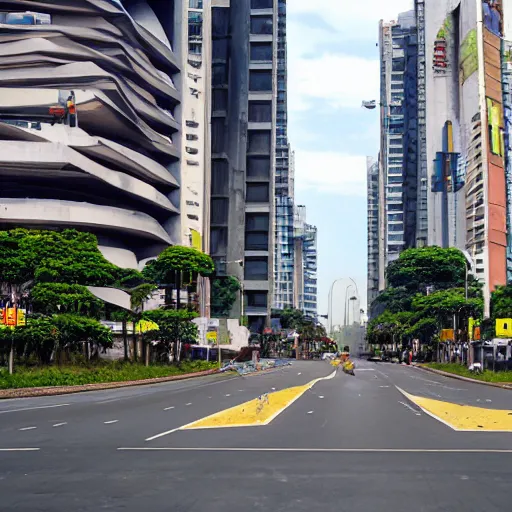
point(195, 109)
point(398, 154)
point(284, 244)
point(243, 124)
point(89, 122)
point(373, 229)
point(305, 296)
point(467, 108)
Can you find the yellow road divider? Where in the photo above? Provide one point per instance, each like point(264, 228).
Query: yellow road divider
point(464, 417)
point(258, 412)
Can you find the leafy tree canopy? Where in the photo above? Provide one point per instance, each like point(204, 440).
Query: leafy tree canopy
point(292, 319)
point(178, 259)
point(224, 292)
point(417, 269)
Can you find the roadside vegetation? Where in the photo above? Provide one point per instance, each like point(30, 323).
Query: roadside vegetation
point(101, 372)
point(486, 376)
point(50, 317)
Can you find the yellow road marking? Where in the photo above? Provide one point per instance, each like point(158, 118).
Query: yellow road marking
point(464, 417)
point(257, 412)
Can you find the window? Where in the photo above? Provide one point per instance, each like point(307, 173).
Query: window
point(399, 150)
point(25, 18)
point(192, 151)
point(220, 23)
point(256, 299)
point(218, 240)
point(256, 241)
point(261, 51)
point(261, 25)
point(396, 238)
point(219, 74)
point(220, 177)
point(192, 203)
point(256, 222)
point(195, 48)
point(256, 269)
point(257, 193)
point(192, 124)
point(396, 227)
point(191, 136)
point(192, 162)
point(262, 4)
point(260, 111)
point(220, 210)
point(395, 179)
point(195, 25)
point(193, 217)
point(259, 141)
point(195, 4)
point(220, 49)
point(220, 99)
point(218, 132)
point(260, 80)
point(397, 87)
point(395, 207)
point(258, 167)
point(396, 217)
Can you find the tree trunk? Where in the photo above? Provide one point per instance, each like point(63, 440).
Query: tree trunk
point(178, 290)
point(135, 347)
point(147, 353)
point(125, 342)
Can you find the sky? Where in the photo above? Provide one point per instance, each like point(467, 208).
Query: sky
point(333, 65)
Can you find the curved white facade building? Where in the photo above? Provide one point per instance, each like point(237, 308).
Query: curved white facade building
point(113, 167)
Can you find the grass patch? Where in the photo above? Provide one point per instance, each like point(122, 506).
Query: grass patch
point(76, 375)
point(457, 369)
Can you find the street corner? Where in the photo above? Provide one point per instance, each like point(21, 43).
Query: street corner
point(464, 418)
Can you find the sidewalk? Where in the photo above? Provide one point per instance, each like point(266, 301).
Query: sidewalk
point(503, 385)
point(66, 390)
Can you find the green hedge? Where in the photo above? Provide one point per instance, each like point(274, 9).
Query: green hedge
point(458, 369)
point(104, 372)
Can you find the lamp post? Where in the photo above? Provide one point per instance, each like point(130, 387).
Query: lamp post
point(346, 312)
point(329, 304)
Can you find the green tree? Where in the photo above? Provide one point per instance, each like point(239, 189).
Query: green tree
point(292, 319)
point(176, 267)
point(418, 269)
point(224, 292)
point(175, 327)
point(40, 337)
point(53, 298)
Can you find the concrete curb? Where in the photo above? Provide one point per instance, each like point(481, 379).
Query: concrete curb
point(66, 390)
point(466, 379)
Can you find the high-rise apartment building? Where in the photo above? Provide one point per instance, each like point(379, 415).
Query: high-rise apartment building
point(468, 129)
point(399, 140)
point(195, 112)
point(243, 124)
point(284, 243)
point(373, 229)
point(90, 121)
point(305, 267)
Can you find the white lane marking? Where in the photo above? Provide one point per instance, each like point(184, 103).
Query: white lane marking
point(384, 386)
point(273, 389)
point(169, 408)
point(321, 396)
point(269, 420)
point(19, 449)
point(60, 424)
point(317, 450)
point(410, 408)
point(240, 390)
point(34, 408)
point(489, 401)
point(190, 403)
point(365, 369)
point(152, 438)
point(310, 412)
point(27, 428)
point(110, 422)
point(226, 395)
point(300, 373)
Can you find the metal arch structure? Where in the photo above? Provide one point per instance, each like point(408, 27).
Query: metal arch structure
point(110, 164)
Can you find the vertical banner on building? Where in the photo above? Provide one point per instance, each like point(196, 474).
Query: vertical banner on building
point(21, 319)
point(3, 316)
point(11, 317)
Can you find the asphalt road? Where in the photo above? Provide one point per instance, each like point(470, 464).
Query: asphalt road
point(348, 443)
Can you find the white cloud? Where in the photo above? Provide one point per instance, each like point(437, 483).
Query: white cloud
point(331, 172)
point(340, 80)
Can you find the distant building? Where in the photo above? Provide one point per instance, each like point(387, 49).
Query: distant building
point(373, 229)
point(306, 265)
point(243, 131)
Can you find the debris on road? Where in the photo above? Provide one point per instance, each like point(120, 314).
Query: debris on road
point(253, 367)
